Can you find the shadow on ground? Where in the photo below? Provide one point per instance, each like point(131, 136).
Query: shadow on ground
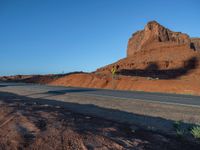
point(130, 119)
point(7, 84)
point(60, 92)
point(153, 123)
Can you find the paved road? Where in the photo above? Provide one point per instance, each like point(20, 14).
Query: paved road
point(150, 110)
point(175, 99)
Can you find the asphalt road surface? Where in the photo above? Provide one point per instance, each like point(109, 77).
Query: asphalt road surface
point(175, 99)
point(150, 110)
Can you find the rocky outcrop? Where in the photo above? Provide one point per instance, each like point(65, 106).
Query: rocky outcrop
point(195, 43)
point(155, 35)
point(160, 46)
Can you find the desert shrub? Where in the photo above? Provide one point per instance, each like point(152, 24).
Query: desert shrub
point(196, 132)
point(180, 131)
point(177, 125)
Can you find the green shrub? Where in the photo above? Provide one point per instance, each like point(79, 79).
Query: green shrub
point(180, 131)
point(196, 132)
point(177, 125)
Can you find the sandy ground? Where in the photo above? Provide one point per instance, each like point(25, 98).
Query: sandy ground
point(33, 126)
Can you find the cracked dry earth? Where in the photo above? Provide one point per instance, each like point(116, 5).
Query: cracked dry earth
point(25, 126)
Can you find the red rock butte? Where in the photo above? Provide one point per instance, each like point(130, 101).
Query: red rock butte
point(156, 34)
point(158, 60)
point(157, 44)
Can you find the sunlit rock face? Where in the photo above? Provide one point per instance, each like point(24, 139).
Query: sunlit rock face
point(155, 35)
point(195, 43)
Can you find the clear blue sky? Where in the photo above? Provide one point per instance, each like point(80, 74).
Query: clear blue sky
point(51, 36)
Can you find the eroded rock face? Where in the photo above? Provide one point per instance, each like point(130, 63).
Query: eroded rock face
point(195, 43)
point(157, 48)
point(155, 35)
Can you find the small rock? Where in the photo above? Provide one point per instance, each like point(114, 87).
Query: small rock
point(87, 117)
point(134, 128)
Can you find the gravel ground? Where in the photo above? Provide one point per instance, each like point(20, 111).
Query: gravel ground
point(29, 125)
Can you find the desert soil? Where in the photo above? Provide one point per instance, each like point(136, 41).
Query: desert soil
point(189, 85)
point(28, 125)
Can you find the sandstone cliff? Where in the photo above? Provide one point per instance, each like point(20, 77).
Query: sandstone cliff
point(155, 35)
point(195, 43)
point(160, 49)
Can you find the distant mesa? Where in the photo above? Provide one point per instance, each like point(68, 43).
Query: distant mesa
point(155, 35)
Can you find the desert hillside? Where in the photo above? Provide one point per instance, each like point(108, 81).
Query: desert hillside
point(158, 60)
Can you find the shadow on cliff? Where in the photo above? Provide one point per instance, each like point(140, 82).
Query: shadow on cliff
point(152, 70)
